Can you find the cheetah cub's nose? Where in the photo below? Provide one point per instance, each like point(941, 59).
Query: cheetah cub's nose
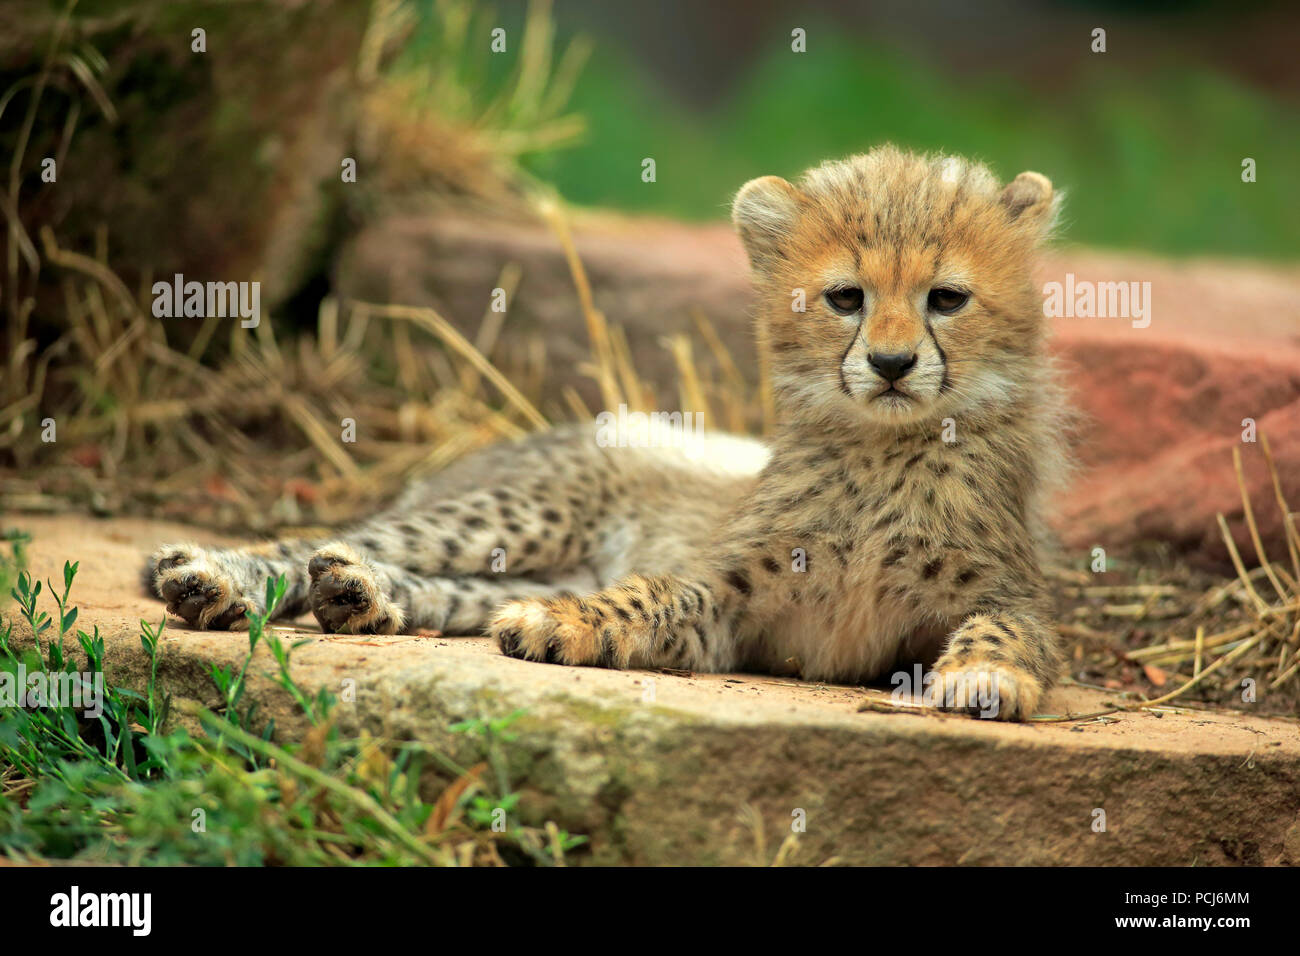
point(894, 365)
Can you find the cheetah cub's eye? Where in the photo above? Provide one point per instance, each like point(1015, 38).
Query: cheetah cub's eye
point(845, 300)
point(947, 301)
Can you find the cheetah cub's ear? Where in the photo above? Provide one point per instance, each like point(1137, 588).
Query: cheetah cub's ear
point(1029, 200)
point(765, 213)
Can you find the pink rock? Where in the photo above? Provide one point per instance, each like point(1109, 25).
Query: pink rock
point(1165, 405)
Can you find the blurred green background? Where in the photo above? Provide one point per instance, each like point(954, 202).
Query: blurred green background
point(1147, 138)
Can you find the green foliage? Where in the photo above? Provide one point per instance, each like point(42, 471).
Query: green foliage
point(518, 102)
point(487, 810)
point(126, 786)
point(1115, 138)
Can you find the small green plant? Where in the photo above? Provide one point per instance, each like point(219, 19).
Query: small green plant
point(45, 733)
point(120, 786)
point(496, 809)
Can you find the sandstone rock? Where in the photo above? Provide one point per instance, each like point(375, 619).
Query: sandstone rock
point(667, 769)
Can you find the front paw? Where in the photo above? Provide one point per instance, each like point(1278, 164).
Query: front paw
point(346, 597)
point(197, 591)
point(988, 689)
point(549, 631)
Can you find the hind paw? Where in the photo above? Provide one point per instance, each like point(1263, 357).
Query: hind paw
point(346, 597)
point(197, 591)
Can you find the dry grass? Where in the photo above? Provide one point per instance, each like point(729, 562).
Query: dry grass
point(229, 426)
point(1171, 633)
point(437, 125)
point(250, 434)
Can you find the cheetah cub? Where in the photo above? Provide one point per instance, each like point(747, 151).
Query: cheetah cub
point(896, 516)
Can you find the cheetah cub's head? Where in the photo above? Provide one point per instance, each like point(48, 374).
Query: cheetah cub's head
point(896, 288)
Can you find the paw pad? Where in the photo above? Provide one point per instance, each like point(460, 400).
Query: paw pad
point(346, 598)
point(199, 594)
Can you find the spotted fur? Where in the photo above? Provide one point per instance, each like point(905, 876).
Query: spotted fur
point(883, 524)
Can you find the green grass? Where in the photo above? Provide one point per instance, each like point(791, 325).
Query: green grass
point(130, 786)
point(1149, 153)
